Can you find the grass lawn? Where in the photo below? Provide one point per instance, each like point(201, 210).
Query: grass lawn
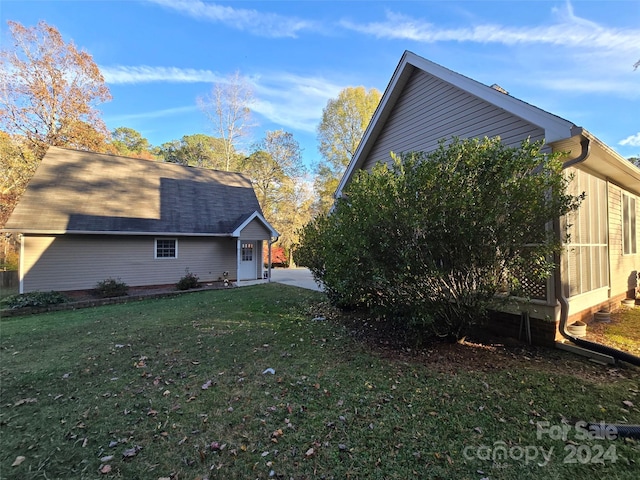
point(179, 388)
point(623, 332)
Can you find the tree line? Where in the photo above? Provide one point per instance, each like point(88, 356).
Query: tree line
point(50, 96)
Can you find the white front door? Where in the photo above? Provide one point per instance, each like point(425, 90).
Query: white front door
point(248, 259)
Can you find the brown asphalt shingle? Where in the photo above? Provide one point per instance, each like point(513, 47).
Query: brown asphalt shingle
point(76, 191)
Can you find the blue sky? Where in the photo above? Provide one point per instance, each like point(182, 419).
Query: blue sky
point(574, 59)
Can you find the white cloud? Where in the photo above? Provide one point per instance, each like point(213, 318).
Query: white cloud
point(289, 100)
point(145, 74)
point(567, 54)
point(293, 101)
point(568, 31)
point(631, 141)
point(259, 23)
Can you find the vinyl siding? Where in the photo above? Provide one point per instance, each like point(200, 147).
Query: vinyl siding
point(624, 268)
point(75, 262)
point(430, 109)
point(255, 230)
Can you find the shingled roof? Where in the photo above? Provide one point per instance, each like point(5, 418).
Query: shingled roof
point(83, 192)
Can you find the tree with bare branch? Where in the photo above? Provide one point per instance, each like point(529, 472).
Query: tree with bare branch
point(228, 109)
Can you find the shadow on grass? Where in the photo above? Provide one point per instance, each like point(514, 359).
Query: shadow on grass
point(622, 332)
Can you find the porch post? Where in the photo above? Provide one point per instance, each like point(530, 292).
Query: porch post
point(238, 259)
point(269, 255)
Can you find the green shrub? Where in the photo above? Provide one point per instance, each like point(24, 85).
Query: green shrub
point(429, 240)
point(34, 299)
point(189, 281)
point(111, 287)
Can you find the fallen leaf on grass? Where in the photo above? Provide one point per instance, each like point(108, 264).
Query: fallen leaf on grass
point(309, 453)
point(628, 403)
point(206, 385)
point(104, 469)
point(19, 459)
point(131, 452)
point(23, 401)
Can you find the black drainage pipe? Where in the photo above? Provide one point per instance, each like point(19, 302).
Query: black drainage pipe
point(559, 291)
point(621, 431)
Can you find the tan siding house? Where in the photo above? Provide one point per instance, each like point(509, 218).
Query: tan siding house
point(86, 217)
point(425, 103)
point(449, 112)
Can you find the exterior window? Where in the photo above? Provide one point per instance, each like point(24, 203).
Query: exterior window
point(166, 248)
point(629, 243)
point(247, 252)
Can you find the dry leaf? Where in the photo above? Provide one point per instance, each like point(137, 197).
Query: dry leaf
point(105, 469)
point(19, 459)
point(309, 453)
point(628, 403)
point(131, 452)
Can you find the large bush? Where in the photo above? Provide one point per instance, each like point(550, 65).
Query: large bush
point(433, 238)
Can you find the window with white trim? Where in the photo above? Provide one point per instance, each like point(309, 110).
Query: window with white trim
point(166, 248)
point(247, 252)
point(629, 243)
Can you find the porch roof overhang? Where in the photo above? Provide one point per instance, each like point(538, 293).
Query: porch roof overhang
point(254, 216)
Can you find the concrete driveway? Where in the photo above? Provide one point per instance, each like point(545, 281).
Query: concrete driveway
point(298, 277)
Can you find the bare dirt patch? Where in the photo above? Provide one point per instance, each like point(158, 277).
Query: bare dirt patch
point(481, 351)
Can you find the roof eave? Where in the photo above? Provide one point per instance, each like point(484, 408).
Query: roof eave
point(27, 231)
point(255, 215)
point(556, 128)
